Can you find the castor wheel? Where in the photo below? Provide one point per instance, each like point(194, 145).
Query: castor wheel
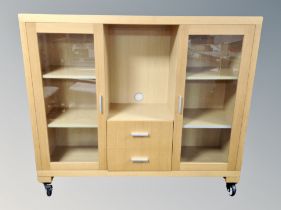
point(231, 188)
point(48, 188)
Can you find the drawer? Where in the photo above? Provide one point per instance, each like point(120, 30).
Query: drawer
point(139, 134)
point(139, 145)
point(135, 159)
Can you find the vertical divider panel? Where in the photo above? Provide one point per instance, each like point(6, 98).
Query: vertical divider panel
point(37, 83)
point(100, 56)
point(180, 53)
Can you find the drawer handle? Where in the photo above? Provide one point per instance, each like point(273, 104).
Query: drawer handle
point(140, 159)
point(139, 134)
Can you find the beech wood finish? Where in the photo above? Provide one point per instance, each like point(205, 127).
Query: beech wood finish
point(129, 103)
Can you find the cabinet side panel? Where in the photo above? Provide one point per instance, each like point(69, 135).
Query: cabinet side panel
point(248, 95)
point(36, 76)
point(30, 94)
point(240, 95)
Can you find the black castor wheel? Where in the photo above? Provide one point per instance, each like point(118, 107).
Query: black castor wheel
point(231, 188)
point(48, 188)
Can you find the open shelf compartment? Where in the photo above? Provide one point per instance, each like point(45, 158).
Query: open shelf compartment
point(142, 62)
point(139, 112)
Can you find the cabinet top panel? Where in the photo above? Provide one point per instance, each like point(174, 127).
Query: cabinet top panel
point(150, 20)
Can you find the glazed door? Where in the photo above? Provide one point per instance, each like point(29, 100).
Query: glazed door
point(67, 83)
point(211, 100)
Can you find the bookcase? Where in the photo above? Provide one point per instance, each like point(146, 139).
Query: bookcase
point(139, 95)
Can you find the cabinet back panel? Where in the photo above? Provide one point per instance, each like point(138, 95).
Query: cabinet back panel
point(139, 59)
point(66, 50)
point(75, 136)
point(69, 94)
point(205, 137)
point(204, 94)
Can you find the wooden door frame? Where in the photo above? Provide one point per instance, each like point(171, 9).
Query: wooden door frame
point(238, 115)
point(29, 31)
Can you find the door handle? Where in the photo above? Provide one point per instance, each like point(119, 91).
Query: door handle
point(180, 104)
point(101, 104)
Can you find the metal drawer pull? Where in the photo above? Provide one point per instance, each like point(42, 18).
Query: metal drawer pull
point(139, 134)
point(140, 159)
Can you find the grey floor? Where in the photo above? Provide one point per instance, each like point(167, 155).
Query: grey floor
point(260, 182)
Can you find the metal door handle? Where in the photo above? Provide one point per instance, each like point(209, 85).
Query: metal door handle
point(180, 104)
point(101, 104)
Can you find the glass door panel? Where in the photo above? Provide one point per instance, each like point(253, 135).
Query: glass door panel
point(67, 56)
point(214, 57)
point(213, 64)
point(68, 71)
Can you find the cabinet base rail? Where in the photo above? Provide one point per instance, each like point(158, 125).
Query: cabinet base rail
point(52, 173)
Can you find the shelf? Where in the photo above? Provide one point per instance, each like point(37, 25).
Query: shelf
point(204, 154)
point(71, 73)
point(140, 112)
point(211, 74)
point(205, 118)
point(75, 154)
point(73, 118)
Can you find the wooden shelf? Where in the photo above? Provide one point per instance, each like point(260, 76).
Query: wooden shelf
point(75, 154)
point(211, 74)
point(140, 112)
point(71, 73)
point(73, 118)
point(205, 118)
point(204, 154)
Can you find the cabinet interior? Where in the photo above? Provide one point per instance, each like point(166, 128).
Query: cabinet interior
point(141, 65)
point(205, 145)
point(209, 102)
point(214, 57)
point(73, 144)
point(69, 56)
point(212, 72)
point(69, 86)
point(70, 103)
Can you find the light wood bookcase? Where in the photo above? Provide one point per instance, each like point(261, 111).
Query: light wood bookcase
point(139, 95)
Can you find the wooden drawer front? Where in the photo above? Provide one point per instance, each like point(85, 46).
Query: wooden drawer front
point(139, 145)
point(139, 159)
